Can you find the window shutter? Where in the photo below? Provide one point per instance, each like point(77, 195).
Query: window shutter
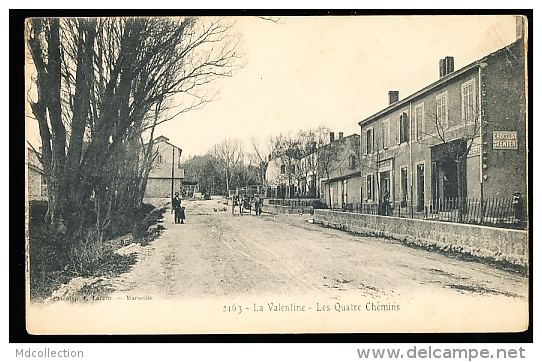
point(398, 133)
point(388, 136)
point(406, 127)
point(382, 133)
point(364, 142)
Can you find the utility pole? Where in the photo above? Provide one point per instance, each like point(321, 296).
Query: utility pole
point(172, 169)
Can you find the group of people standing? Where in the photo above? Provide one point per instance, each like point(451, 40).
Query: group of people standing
point(255, 202)
point(244, 201)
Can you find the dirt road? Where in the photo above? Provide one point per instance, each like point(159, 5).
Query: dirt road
point(216, 253)
point(223, 273)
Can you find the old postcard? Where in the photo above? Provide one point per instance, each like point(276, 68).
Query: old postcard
point(254, 175)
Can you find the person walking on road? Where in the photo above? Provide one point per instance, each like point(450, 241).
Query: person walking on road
point(257, 204)
point(178, 209)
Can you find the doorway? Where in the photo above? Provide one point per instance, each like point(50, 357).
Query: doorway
point(345, 194)
point(385, 185)
point(420, 186)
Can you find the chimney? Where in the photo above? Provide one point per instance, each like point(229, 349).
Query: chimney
point(449, 65)
point(393, 96)
point(331, 137)
point(520, 27)
point(446, 66)
point(340, 135)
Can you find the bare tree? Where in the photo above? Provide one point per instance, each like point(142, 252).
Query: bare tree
point(329, 157)
point(287, 154)
point(261, 153)
point(100, 83)
point(229, 154)
point(455, 137)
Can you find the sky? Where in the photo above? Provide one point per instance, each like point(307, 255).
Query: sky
point(303, 72)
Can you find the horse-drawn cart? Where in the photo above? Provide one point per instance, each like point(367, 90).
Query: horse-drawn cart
point(246, 199)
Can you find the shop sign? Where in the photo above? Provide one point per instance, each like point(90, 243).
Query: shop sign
point(505, 140)
point(385, 163)
point(475, 147)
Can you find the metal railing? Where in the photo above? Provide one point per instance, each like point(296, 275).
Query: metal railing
point(498, 212)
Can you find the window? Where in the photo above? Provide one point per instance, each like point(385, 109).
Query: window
point(442, 110)
point(404, 186)
point(370, 187)
point(352, 162)
point(282, 169)
point(468, 104)
point(386, 133)
point(159, 158)
point(419, 121)
point(370, 141)
point(404, 128)
point(43, 185)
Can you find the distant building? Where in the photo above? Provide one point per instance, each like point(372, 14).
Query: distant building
point(36, 182)
point(307, 177)
point(293, 178)
point(340, 158)
point(281, 181)
point(462, 136)
point(166, 174)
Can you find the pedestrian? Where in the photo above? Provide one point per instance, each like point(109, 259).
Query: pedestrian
point(519, 207)
point(386, 203)
point(178, 209)
point(257, 204)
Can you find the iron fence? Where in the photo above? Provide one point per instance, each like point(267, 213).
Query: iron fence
point(497, 212)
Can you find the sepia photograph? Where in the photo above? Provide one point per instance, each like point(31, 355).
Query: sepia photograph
point(204, 175)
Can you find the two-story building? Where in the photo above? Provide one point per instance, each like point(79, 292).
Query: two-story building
point(339, 172)
point(166, 175)
point(281, 178)
point(463, 136)
point(301, 176)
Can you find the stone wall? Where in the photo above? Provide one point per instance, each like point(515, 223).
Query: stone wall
point(278, 209)
point(481, 241)
point(161, 187)
point(33, 184)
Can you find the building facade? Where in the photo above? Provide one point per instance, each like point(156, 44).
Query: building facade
point(166, 175)
point(282, 178)
point(463, 136)
point(36, 182)
point(339, 171)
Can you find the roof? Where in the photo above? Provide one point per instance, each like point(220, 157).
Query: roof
point(343, 139)
point(449, 77)
point(166, 140)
